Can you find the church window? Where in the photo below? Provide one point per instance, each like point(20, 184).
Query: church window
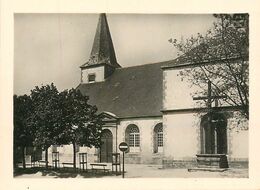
point(158, 138)
point(133, 137)
point(91, 78)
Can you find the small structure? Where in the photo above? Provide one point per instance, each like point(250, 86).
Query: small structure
point(83, 161)
point(214, 152)
point(116, 163)
point(99, 167)
point(55, 160)
point(212, 160)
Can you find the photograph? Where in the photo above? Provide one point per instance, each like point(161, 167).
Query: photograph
point(131, 95)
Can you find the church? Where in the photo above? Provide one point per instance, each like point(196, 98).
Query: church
point(151, 108)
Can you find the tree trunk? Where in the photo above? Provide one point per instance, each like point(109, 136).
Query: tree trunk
point(46, 157)
point(23, 157)
point(74, 155)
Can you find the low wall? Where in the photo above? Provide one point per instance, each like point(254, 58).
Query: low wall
point(171, 163)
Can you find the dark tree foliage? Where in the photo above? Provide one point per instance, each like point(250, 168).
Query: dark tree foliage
point(46, 116)
point(224, 50)
point(80, 123)
point(23, 134)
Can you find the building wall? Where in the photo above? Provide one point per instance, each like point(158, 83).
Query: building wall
point(98, 71)
point(183, 141)
point(238, 145)
point(238, 140)
point(146, 128)
point(182, 130)
point(181, 136)
point(178, 92)
point(146, 154)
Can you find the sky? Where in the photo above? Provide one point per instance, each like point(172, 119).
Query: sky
point(51, 47)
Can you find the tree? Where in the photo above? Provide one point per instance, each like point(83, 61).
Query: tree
point(222, 58)
point(80, 123)
point(46, 117)
point(23, 134)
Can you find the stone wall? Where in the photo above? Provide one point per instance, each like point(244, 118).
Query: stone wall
point(238, 140)
point(181, 136)
point(183, 141)
point(179, 92)
point(146, 154)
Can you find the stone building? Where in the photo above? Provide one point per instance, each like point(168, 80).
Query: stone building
point(152, 109)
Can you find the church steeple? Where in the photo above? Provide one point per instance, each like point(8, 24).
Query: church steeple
point(102, 50)
point(102, 62)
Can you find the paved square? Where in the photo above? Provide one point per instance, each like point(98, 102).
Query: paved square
point(141, 171)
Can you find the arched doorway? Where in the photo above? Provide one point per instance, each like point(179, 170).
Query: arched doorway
point(107, 146)
point(214, 134)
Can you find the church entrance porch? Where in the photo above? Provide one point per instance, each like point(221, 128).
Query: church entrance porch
point(106, 149)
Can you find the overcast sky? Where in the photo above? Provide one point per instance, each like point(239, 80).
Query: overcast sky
point(51, 47)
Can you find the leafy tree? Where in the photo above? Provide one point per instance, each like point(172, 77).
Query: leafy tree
point(23, 134)
point(223, 52)
point(80, 122)
point(46, 117)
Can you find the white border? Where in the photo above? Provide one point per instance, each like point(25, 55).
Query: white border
point(9, 7)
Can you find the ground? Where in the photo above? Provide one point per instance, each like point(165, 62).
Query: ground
point(132, 171)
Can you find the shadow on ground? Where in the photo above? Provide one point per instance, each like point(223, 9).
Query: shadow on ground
point(132, 171)
point(60, 173)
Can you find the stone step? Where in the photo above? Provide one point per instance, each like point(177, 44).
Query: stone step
point(207, 166)
point(207, 169)
point(212, 160)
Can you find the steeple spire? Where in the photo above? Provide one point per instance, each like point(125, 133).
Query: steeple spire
point(102, 50)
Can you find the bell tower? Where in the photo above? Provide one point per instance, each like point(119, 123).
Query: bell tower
point(102, 61)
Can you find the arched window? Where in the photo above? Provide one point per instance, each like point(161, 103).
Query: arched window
point(132, 137)
point(158, 138)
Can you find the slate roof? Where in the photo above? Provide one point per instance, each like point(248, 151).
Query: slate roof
point(103, 49)
point(129, 92)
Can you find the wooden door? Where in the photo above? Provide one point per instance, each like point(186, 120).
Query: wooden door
point(107, 146)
